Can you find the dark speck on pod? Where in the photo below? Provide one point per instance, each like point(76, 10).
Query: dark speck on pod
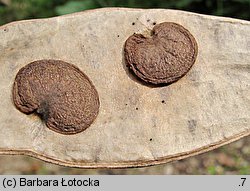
point(61, 94)
point(164, 57)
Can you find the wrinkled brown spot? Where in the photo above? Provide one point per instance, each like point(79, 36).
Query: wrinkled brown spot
point(164, 57)
point(59, 93)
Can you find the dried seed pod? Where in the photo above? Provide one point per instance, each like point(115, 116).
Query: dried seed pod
point(59, 92)
point(164, 57)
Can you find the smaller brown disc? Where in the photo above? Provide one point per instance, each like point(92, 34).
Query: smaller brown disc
point(164, 57)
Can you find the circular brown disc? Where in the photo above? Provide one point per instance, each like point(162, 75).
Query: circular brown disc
point(59, 92)
point(164, 57)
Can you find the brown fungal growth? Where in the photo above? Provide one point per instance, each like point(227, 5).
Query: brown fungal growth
point(164, 57)
point(61, 94)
